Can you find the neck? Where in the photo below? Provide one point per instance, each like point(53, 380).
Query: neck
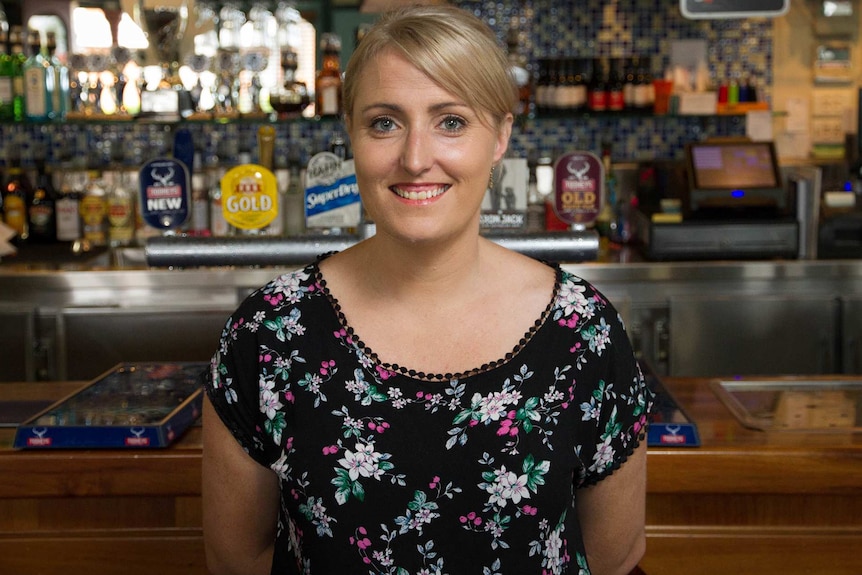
point(424, 273)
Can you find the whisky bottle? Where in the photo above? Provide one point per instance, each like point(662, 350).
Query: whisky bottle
point(327, 85)
point(16, 195)
point(41, 212)
point(94, 209)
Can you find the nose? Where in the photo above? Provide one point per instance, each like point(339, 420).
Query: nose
point(417, 152)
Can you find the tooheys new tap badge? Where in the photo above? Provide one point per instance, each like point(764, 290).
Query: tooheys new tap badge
point(164, 187)
point(578, 180)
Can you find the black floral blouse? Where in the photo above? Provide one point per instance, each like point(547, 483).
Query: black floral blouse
point(383, 470)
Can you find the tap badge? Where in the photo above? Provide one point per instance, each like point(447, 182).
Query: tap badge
point(578, 178)
point(164, 186)
point(249, 197)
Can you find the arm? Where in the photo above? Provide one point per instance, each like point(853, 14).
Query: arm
point(240, 503)
point(612, 515)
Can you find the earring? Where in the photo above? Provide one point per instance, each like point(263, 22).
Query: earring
point(491, 178)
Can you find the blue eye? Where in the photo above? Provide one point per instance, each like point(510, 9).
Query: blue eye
point(453, 123)
point(383, 124)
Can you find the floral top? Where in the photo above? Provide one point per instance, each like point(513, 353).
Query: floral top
point(382, 471)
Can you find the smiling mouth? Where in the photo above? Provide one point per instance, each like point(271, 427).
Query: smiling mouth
point(424, 194)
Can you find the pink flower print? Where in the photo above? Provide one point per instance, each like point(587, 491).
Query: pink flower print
point(529, 510)
point(383, 372)
point(434, 482)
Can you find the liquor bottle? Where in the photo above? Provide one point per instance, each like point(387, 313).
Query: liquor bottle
point(7, 111)
point(38, 81)
point(67, 208)
point(16, 197)
point(121, 201)
point(567, 90)
point(200, 217)
point(327, 85)
point(542, 86)
point(580, 96)
point(598, 89)
point(218, 224)
point(291, 98)
point(94, 211)
point(518, 69)
point(294, 200)
point(630, 82)
point(42, 210)
point(616, 98)
point(60, 98)
point(644, 92)
point(550, 98)
point(16, 53)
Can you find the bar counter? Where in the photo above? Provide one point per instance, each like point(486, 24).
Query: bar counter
point(746, 501)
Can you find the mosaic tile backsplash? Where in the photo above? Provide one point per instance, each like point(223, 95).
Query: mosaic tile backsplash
point(739, 48)
point(550, 28)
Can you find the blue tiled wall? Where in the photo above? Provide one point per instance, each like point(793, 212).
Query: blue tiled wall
point(620, 28)
point(583, 28)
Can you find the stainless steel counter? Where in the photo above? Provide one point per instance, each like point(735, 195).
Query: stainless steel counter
point(700, 318)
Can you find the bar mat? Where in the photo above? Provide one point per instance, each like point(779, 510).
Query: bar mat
point(13, 412)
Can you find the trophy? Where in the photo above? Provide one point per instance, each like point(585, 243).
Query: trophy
point(164, 22)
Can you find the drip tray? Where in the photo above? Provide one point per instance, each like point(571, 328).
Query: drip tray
point(794, 404)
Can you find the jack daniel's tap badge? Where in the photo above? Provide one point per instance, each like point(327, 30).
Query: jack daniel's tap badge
point(164, 193)
point(578, 178)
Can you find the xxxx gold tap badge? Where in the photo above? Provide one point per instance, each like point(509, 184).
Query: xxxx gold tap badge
point(249, 197)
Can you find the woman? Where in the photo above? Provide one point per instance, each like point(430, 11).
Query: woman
point(486, 431)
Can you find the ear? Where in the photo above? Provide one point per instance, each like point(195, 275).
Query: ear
point(504, 132)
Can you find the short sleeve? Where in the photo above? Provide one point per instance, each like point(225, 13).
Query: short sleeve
point(231, 381)
point(616, 408)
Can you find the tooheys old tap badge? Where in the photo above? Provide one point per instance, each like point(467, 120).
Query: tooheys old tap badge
point(578, 178)
point(249, 197)
point(164, 187)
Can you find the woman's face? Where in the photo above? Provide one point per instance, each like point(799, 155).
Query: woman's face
point(422, 156)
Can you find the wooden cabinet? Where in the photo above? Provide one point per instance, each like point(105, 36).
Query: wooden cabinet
point(745, 502)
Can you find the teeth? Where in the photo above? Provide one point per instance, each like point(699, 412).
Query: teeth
point(423, 195)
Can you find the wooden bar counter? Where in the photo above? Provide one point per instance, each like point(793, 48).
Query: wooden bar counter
point(744, 502)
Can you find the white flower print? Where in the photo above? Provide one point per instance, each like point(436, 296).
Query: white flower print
point(604, 455)
point(362, 462)
point(572, 298)
point(508, 486)
point(269, 402)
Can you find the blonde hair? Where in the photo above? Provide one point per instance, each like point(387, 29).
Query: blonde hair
point(454, 48)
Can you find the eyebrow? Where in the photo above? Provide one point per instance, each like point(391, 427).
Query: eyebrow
point(396, 108)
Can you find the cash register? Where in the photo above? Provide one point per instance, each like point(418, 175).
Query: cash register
point(734, 206)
